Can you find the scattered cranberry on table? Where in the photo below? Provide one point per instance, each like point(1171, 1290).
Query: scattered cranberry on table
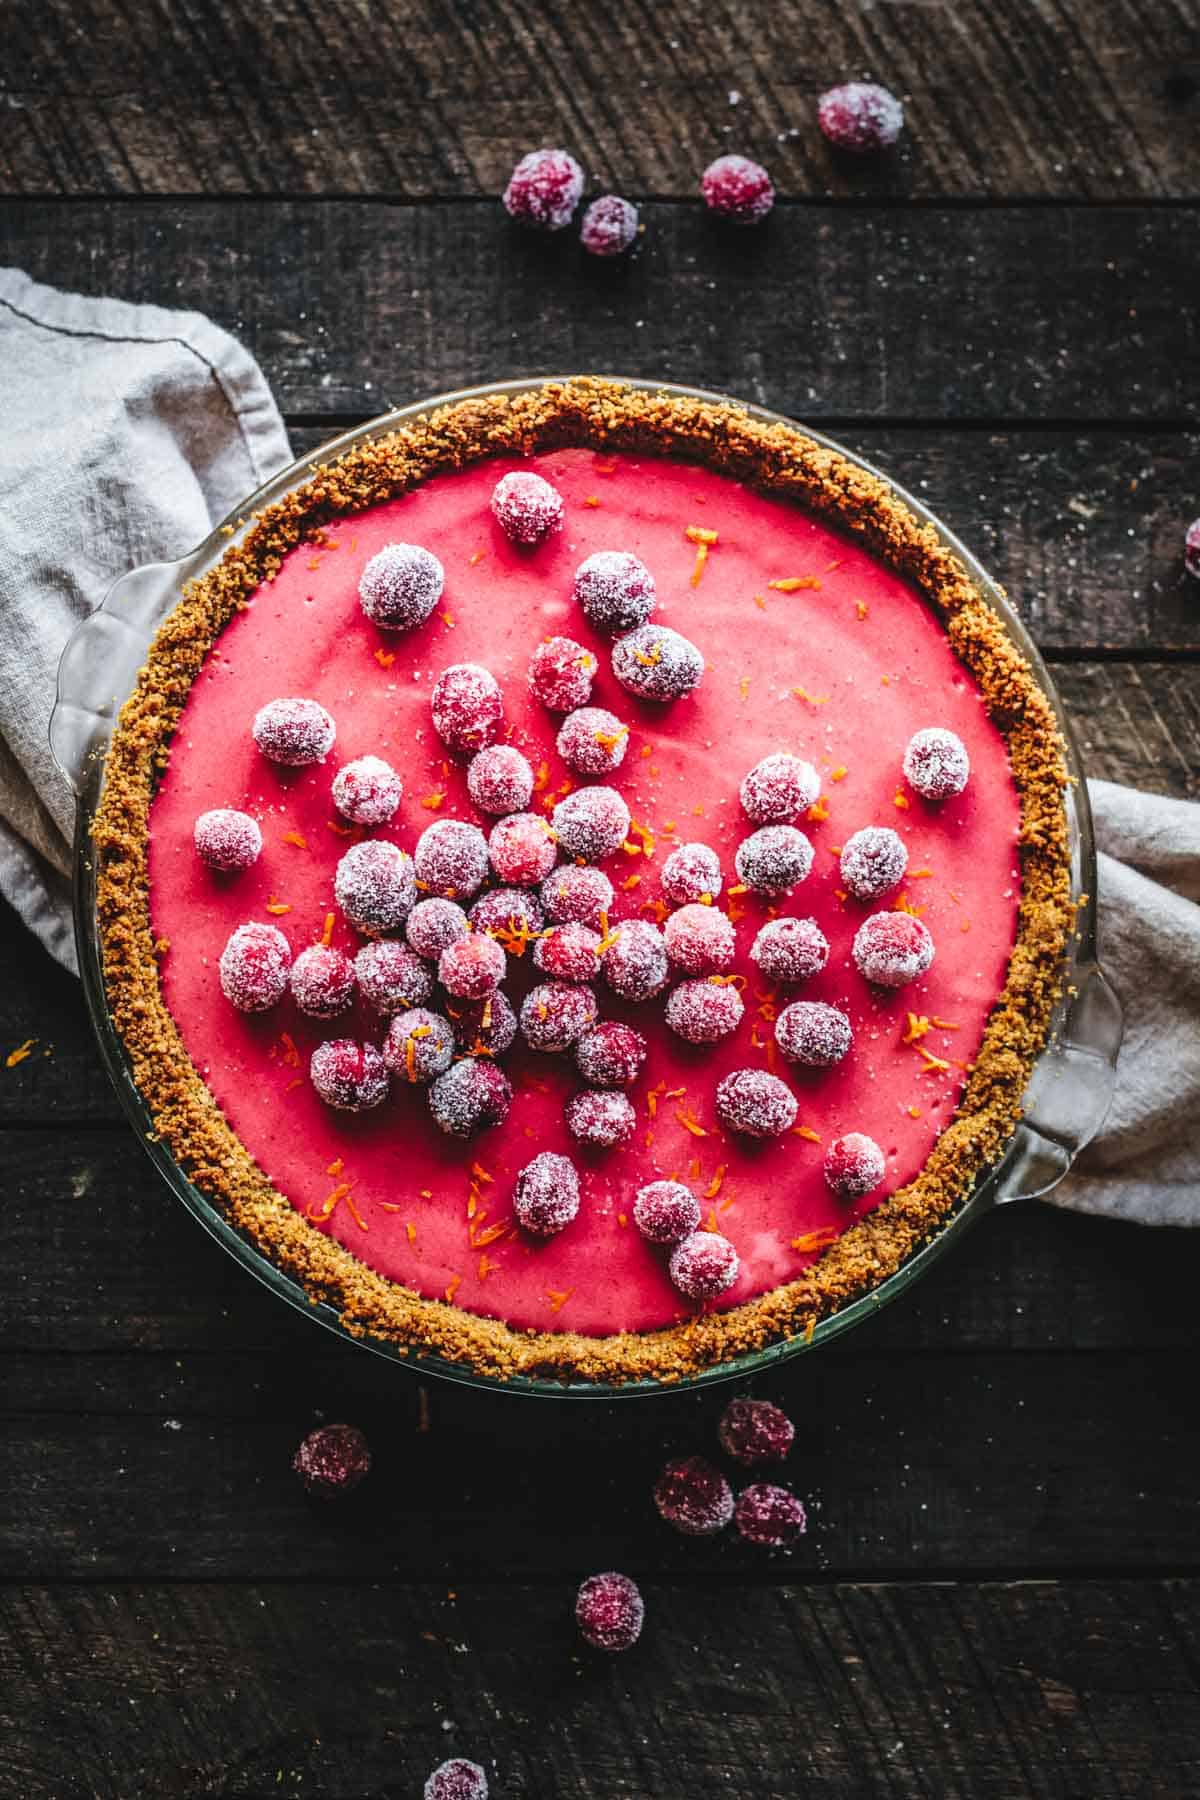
point(769, 1516)
point(332, 1460)
point(692, 1495)
point(544, 189)
point(755, 1431)
point(457, 1779)
point(737, 190)
point(610, 226)
point(609, 1611)
point(860, 117)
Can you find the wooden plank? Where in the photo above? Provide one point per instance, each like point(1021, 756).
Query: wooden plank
point(951, 313)
point(972, 1692)
point(1072, 100)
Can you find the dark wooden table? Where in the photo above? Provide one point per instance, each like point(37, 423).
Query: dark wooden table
point(998, 1596)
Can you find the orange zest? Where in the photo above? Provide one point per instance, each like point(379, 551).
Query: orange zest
point(295, 837)
point(806, 1132)
point(714, 1186)
point(816, 1240)
point(557, 1298)
point(793, 583)
point(861, 608)
point(802, 693)
point(453, 1286)
point(327, 929)
point(900, 800)
point(838, 774)
point(690, 1122)
point(277, 906)
point(20, 1054)
point(385, 658)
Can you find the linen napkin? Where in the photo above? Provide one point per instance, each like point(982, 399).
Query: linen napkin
point(131, 430)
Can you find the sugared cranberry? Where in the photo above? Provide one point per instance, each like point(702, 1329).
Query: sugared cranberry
point(854, 1166)
point(755, 1103)
point(690, 873)
point(738, 190)
point(814, 1034)
point(322, 981)
point(546, 1197)
point(457, 1779)
point(892, 949)
point(254, 967)
point(1191, 551)
point(615, 590)
point(568, 953)
point(375, 885)
point(471, 1096)
point(656, 663)
point(860, 117)
point(936, 764)
point(693, 1496)
point(700, 940)
point(769, 1516)
point(601, 1117)
point(400, 586)
point(451, 859)
point(572, 893)
point(467, 707)
point(294, 732)
point(522, 848)
point(560, 674)
point(332, 1460)
point(609, 227)
point(432, 924)
point(500, 780)
point(873, 860)
point(511, 914)
point(755, 1431)
point(227, 840)
point(666, 1212)
point(555, 1014)
point(635, 963)
point(526, 507)
point(592, 741)
point(391, 977)
point(348, 1076)
point(779, 787)
point(790, 950)
point(367, 790)
point(544, 189)
point(703, 1265)
point(609, 1611)
point(472, 967)
point(485, 1027)
point(704, 1012)
point(591, 823)
point(774, 859)
point(610, 1055)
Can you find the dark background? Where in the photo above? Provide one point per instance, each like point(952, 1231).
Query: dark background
point(998, 1594)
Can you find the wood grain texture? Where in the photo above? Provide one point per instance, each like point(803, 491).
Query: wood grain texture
point(976, 1692)
point(428, 100)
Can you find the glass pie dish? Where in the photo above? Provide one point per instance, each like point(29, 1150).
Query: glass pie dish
point(1071, 1083)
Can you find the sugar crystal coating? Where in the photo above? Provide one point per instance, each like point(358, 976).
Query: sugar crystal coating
point(656, 663)
point(615, 590)
point(704, 1012)
point(591, 823)
point(484, 1027)
point(546, 1196)
point(432, 924)
point(294, 732)
point(568, 953)
point(892, 949)
point(473, 967)
point(854, 1166)
point(500, 780)
point(348, 1076)
point(738, 190)
point(600, 1118)
point(254, 967)
point(322, 981)
point(755, 1103)
point(526, 507)
point(400, 586)
point(513, 915)
point(571, 893)
point(332, 1460)
point(544, 189)
point(860, 117)
point(367, 790)
point(227, 840)
point(700, 940)
point(555, 1014)
point(609, 227)
point(467, 707)
point(814, 1034)
point(936, 764)
point(755, 1431)
point(419, 1045)
point(610, 1055)
point(692, 1495)
point(635, 963)
point(609, 1611)
point(769, 1516)
point(561, 673)
point(665, 1212)
point(451, 859)
point(774, 859)
point(522, 848)
point(689, 873)
point(391, 976)
point(779, 787)
point(471, 1096)
point(873, 860)
point(375, 885)
point(592, 741)
point(457, 1779)
point(703, 1265)
point(790, 949)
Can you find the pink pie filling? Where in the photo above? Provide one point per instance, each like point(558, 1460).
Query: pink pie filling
point(841, 671)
